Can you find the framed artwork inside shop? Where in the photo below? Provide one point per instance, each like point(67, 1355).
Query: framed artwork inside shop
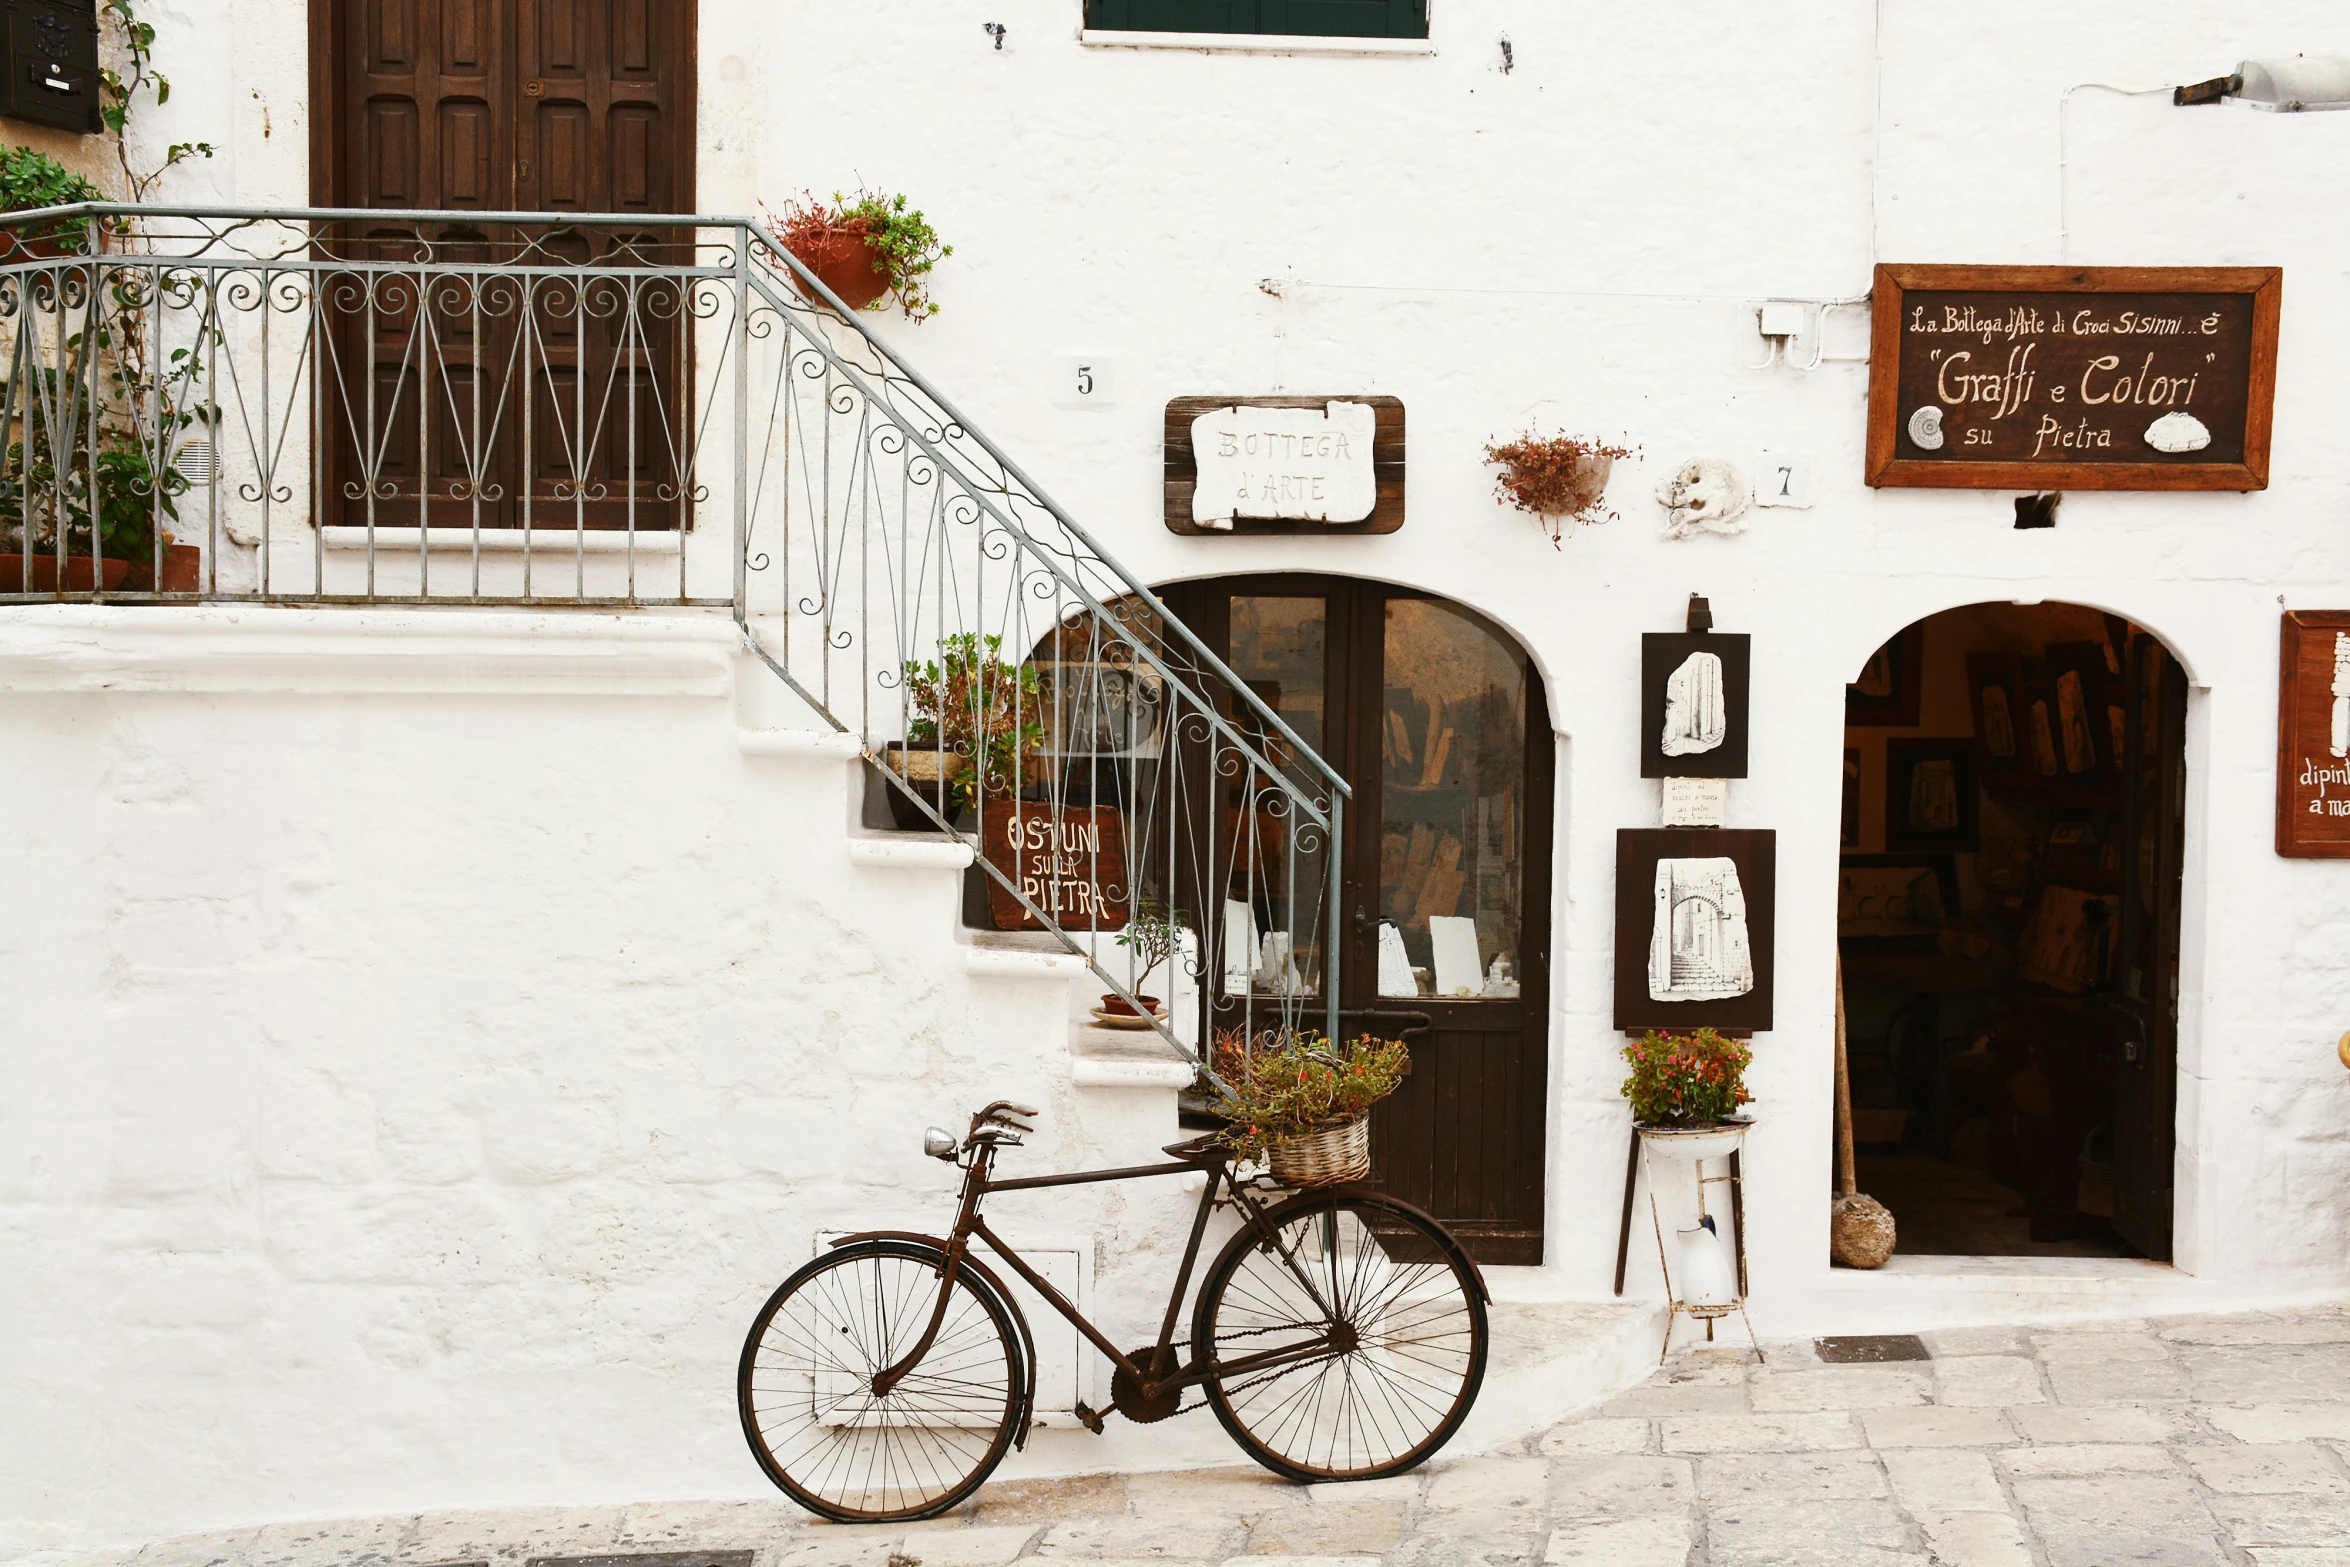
point(1887, 692)
point(2313, 735)
point(1932, 801)
point(1995, 684)
point(1895, 902)
point(1694, 927)
point(2072, 378)
point(1693, 703)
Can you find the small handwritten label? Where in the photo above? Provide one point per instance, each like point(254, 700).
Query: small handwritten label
point(1695, 802)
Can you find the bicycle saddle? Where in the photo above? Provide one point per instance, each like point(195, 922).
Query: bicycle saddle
point(1202, 1150)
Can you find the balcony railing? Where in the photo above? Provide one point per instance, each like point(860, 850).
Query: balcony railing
point(540, 410)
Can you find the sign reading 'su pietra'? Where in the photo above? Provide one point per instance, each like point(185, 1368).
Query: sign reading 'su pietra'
point(2114, 378)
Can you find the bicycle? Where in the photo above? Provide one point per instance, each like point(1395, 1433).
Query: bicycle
point(1340, 1334)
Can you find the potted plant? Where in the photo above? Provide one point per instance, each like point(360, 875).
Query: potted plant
point(1560, 479)
point(1685, 1090)
point(865, 248)
point(932, 769)
point(1150, 939)
point(1301, 1106)
point(30, 180)
point(968, 701)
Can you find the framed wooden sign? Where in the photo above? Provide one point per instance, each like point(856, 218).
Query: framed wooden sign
point(1070, 862)
point(1694, 927)
point(1284, 465)
point(2313, 735)
point(2072, 378)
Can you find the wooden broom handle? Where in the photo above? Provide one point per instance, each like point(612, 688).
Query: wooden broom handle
point(1846, 1176)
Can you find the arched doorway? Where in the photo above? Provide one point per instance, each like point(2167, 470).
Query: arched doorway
point(2008, 929)
point(1437, 720)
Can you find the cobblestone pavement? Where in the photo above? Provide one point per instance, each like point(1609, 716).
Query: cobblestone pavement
point(2217, 1439)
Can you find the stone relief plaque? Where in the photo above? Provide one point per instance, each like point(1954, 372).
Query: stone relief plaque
point(2313, 735)
point(1237, 465)
point(1694, 927)
point(2073, 378)
point(1693, 703)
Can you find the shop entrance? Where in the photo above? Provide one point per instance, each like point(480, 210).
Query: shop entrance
point(2008, 923)
point(1437, 720)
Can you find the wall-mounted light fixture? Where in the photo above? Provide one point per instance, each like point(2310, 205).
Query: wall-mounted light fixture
point(2289, 86)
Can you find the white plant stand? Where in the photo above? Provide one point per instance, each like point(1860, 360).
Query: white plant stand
point(1667, 1154)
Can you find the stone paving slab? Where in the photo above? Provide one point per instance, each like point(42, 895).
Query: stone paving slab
point(2147, 1443)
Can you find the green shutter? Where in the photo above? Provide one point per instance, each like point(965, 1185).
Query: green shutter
point(1296, 18)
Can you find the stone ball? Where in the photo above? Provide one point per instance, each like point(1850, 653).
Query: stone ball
point(1860, 1232)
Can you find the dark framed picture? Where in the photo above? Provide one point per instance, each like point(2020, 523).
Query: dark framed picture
point(1694, 927)
point(1886, 694)
point(1850, 836)
point(1995, 687)
point(2313, 735)
point(1932, 801)
point(1693, 703)
point(1895, 902)
point(2089, 707)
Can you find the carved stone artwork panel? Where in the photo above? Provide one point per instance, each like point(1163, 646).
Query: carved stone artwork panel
point(2313, 735)
point(1303, 464)
point(1696, 712)
point(1699, 948)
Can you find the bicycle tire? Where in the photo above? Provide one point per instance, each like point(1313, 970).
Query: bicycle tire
point(895, 1459)
point(1401, 1377)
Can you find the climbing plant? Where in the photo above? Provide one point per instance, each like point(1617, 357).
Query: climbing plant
point(119, 92)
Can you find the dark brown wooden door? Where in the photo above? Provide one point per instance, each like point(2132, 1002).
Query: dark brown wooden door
point(2147, 976)
point(502, 105)
point(1438, 722)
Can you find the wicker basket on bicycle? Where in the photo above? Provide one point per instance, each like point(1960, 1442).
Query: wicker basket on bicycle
point(1329, 1155)
point(1303, 1106)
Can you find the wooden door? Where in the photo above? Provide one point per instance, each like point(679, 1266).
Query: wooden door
point(438, 394)
point(1438, 722)
point(2147, 975)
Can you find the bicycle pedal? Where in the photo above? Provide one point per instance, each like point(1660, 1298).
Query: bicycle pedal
point(1088, 1419)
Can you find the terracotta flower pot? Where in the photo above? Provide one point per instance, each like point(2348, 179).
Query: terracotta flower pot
point(1119, 1004)
point(846, 263)
point(44, 574)
point(183, 572)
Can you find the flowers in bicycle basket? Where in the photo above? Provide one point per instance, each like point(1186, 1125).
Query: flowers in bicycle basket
point(1285, 1083)
point(1691, 1079)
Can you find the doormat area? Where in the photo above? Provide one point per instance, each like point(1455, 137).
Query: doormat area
point(1871, 1349)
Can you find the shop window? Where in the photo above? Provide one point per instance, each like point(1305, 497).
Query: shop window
point(1296, 18)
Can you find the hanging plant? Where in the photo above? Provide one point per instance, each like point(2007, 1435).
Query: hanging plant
point(1560, 479)
point(866, 249)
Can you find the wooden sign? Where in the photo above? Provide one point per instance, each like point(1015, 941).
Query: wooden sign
point(1284, 465)
point(1069, 862)
point(2313, 735)
point(2073, 378)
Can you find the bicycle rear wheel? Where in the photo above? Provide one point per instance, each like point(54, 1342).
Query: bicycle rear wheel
point(805, 1385)
point(1384, 1316)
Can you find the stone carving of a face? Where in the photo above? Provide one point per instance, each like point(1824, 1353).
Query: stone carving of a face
point(1705, 495)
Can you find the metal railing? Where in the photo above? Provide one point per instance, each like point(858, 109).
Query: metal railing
point(539, 410)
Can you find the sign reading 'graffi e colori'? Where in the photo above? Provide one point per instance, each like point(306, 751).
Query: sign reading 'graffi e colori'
point(2086, 378)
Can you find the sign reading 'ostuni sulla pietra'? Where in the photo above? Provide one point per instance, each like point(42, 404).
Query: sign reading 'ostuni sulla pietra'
point(2086, 378)
point(1306, 464)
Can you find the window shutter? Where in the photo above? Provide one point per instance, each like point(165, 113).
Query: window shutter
point(1296, 18)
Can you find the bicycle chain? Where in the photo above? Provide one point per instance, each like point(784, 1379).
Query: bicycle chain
point(1262, 1376)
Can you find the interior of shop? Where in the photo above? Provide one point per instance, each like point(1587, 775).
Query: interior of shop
point(2007, 931)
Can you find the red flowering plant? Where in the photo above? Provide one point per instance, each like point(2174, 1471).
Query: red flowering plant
point(1684, 1080)
point(1560, 479)
point(1284, 1084)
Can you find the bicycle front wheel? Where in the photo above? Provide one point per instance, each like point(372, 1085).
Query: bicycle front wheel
point(805, 1385)
point(1354, 1336)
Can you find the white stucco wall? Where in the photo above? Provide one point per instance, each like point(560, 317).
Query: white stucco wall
point(446, 1059)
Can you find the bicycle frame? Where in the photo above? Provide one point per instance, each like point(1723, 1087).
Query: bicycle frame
point(1162, 1375)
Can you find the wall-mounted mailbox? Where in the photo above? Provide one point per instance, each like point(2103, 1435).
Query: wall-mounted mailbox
point(52, 63)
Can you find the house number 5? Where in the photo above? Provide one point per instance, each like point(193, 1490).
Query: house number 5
point(1084, 381)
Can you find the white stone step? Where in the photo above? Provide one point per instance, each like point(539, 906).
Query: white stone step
point(910, 854)
point(815, 745)
point(1018, 963)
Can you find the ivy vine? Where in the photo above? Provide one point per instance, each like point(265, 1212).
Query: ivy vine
point(119, 91)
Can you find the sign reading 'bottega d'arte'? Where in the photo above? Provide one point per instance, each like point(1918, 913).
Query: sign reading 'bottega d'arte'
point(2073, 378)
point(1284, 465)
point(2313, 736)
